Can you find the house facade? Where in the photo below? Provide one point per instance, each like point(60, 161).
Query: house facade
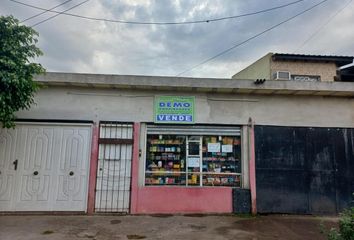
point(298, 67)
point(144, 145)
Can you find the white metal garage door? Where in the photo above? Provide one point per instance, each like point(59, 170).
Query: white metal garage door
point(44, 167)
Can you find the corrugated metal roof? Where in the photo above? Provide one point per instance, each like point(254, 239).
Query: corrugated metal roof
point(339, 60)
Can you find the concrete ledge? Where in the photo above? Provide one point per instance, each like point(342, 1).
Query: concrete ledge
point(273, 87)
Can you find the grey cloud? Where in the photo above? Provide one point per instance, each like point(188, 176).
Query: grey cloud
point(78, 45)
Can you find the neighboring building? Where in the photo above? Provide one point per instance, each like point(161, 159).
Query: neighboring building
point(278, 66)
point(347, 74)
point(148, 144)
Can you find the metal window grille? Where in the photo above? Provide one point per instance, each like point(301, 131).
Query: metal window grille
point(113, 182)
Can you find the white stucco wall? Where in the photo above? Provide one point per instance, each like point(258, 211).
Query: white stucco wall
point(75, 103)
point(260, 69)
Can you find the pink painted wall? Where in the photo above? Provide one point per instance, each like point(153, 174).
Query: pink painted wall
point(93, 169)
point(165, 199)
point(252, 167)
point(135, 170)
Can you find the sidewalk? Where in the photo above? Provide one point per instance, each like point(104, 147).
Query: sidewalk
point(162, 227)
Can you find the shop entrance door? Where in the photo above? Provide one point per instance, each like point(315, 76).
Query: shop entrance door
point(114, 167)
point(194, 160)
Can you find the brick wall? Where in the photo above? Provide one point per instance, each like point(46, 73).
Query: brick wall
point(327, 71)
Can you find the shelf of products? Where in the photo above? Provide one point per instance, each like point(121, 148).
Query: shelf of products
point(169, 160)
point(165, 178)
point(165, 160)
point(221, 161)
point(221, 180)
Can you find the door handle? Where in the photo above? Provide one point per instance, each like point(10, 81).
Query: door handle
point(15, 163)
point(35, 173)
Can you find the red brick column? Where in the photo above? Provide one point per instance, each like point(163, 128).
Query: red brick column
point(93, 169)
point(252, 166)
point(135, 171)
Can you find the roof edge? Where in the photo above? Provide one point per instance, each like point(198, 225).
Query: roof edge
point(339, 60)
point(212, 85)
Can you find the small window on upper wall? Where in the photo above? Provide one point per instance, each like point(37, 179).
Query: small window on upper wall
point(306, 78)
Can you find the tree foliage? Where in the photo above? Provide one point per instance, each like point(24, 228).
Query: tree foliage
point(346, 227)
point(17, 50)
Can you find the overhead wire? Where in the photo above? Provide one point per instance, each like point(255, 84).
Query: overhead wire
point(45, 11)
point(250, 38)
point(322, 26)
point(160, 23)
point(188, 22)
point(59, 13)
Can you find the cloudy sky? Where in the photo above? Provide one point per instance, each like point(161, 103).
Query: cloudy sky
point(77, 45)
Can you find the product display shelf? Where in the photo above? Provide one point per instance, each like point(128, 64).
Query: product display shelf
point(222, 168)
point(221, 173)
point(220, 184)
point(165, 142)
point(164, 178)
point(236, 160)
point(222, 179)
point(164, 172)
point(151, 159)
point(165, 162)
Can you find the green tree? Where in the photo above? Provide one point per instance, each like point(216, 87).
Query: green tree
point(17, 50)
point(346, 227)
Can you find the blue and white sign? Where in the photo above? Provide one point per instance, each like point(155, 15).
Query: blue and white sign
point(174, 109)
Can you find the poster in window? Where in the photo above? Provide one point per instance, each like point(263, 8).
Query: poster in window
point(226, 148)
point(213, 147)
point(193, 162)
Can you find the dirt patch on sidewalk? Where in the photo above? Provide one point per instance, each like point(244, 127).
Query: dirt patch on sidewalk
point(162, 227)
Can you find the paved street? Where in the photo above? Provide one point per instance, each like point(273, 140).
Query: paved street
point(162, 227)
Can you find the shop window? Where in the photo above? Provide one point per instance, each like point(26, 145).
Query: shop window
point(221, 161)
point(165, 160)
point(184, 160)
